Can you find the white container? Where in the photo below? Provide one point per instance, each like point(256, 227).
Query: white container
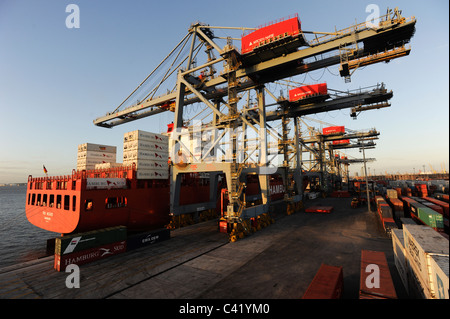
point(145, 155)
point(145, 145)
point(416, 286)
point(110, 157)
point(97, 147)
point(421, 243)
point(91, 162)
point(143, 135)
point(107, 165)
point(391, 193)
point(439, 276)
point(152, 174)
point(147, 164)
point(400, 255)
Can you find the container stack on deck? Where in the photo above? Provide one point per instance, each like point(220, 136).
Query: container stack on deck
point(150, 153)
point(89, 155)
point(421, 257)
point(396, 204)
point(385, 214)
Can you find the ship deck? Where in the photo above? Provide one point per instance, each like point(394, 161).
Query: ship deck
point(277, 262)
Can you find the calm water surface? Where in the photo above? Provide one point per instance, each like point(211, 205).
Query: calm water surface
point(20, 241)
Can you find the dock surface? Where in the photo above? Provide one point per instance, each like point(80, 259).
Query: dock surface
point(277, 262)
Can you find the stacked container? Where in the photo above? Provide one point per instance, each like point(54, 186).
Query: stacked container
point(149, 152)
point(90, 154)
point(427, 259)
point(421, 189)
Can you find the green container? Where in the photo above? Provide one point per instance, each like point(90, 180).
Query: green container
point(82, 241)
point(430, 217)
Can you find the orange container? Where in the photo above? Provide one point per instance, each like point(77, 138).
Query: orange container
point(328, 283)
point(375, 281)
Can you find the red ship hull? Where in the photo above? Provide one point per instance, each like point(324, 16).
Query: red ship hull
point(68, 204)
point(90, 200)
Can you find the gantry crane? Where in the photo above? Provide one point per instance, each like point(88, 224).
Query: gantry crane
point(186, 77)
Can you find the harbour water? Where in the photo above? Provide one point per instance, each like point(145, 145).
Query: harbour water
point(20, 241)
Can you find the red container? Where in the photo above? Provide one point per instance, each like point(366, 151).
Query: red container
point(375, 281)
point(89, 255)
point(341, 142)
point(223, 226)
point(333, 130)
point(328, 283)
point(443, 204)
point(307, 91)
point(397, 203)
point(270, 33)
point(434, 207)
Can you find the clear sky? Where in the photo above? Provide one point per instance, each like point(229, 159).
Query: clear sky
point(55, 81)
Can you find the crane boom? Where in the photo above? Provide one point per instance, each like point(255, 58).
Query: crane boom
point(390, 35)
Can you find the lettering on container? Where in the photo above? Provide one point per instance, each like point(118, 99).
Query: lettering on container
point(373, 279)
point(414, 252)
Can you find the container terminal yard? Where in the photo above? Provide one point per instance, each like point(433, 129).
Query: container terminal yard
point(237, 200)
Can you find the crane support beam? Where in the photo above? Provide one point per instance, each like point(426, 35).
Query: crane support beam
point(388, 36)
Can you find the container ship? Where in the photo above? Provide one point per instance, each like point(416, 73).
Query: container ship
point(136, 193)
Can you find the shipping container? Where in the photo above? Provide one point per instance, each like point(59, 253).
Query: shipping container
point(308, 91)
point(146, 145)
point(434, 207)
point(408, 221)
point(439, 275)
point(391, 193)
point(398, 247)
point(270, 34)
point(389, 225)
point(144, 136)
point(147, 164)
point(145, 155)
point(93, 161)
point(82, 241)
point(385, 211)
point(89, 255)
point(136, 241)
point(97, 147)
point(396, 203)
point(375, 280)
point(441, 203)
point(333, 130)
point(427, 216)
point(421, 243)
point(107, 165)
point(328, 283)
point(111, 157)
point(443, 197)
point(340, 142)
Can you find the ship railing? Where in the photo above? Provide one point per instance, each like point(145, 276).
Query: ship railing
point(63, 180)
point(124, 171)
